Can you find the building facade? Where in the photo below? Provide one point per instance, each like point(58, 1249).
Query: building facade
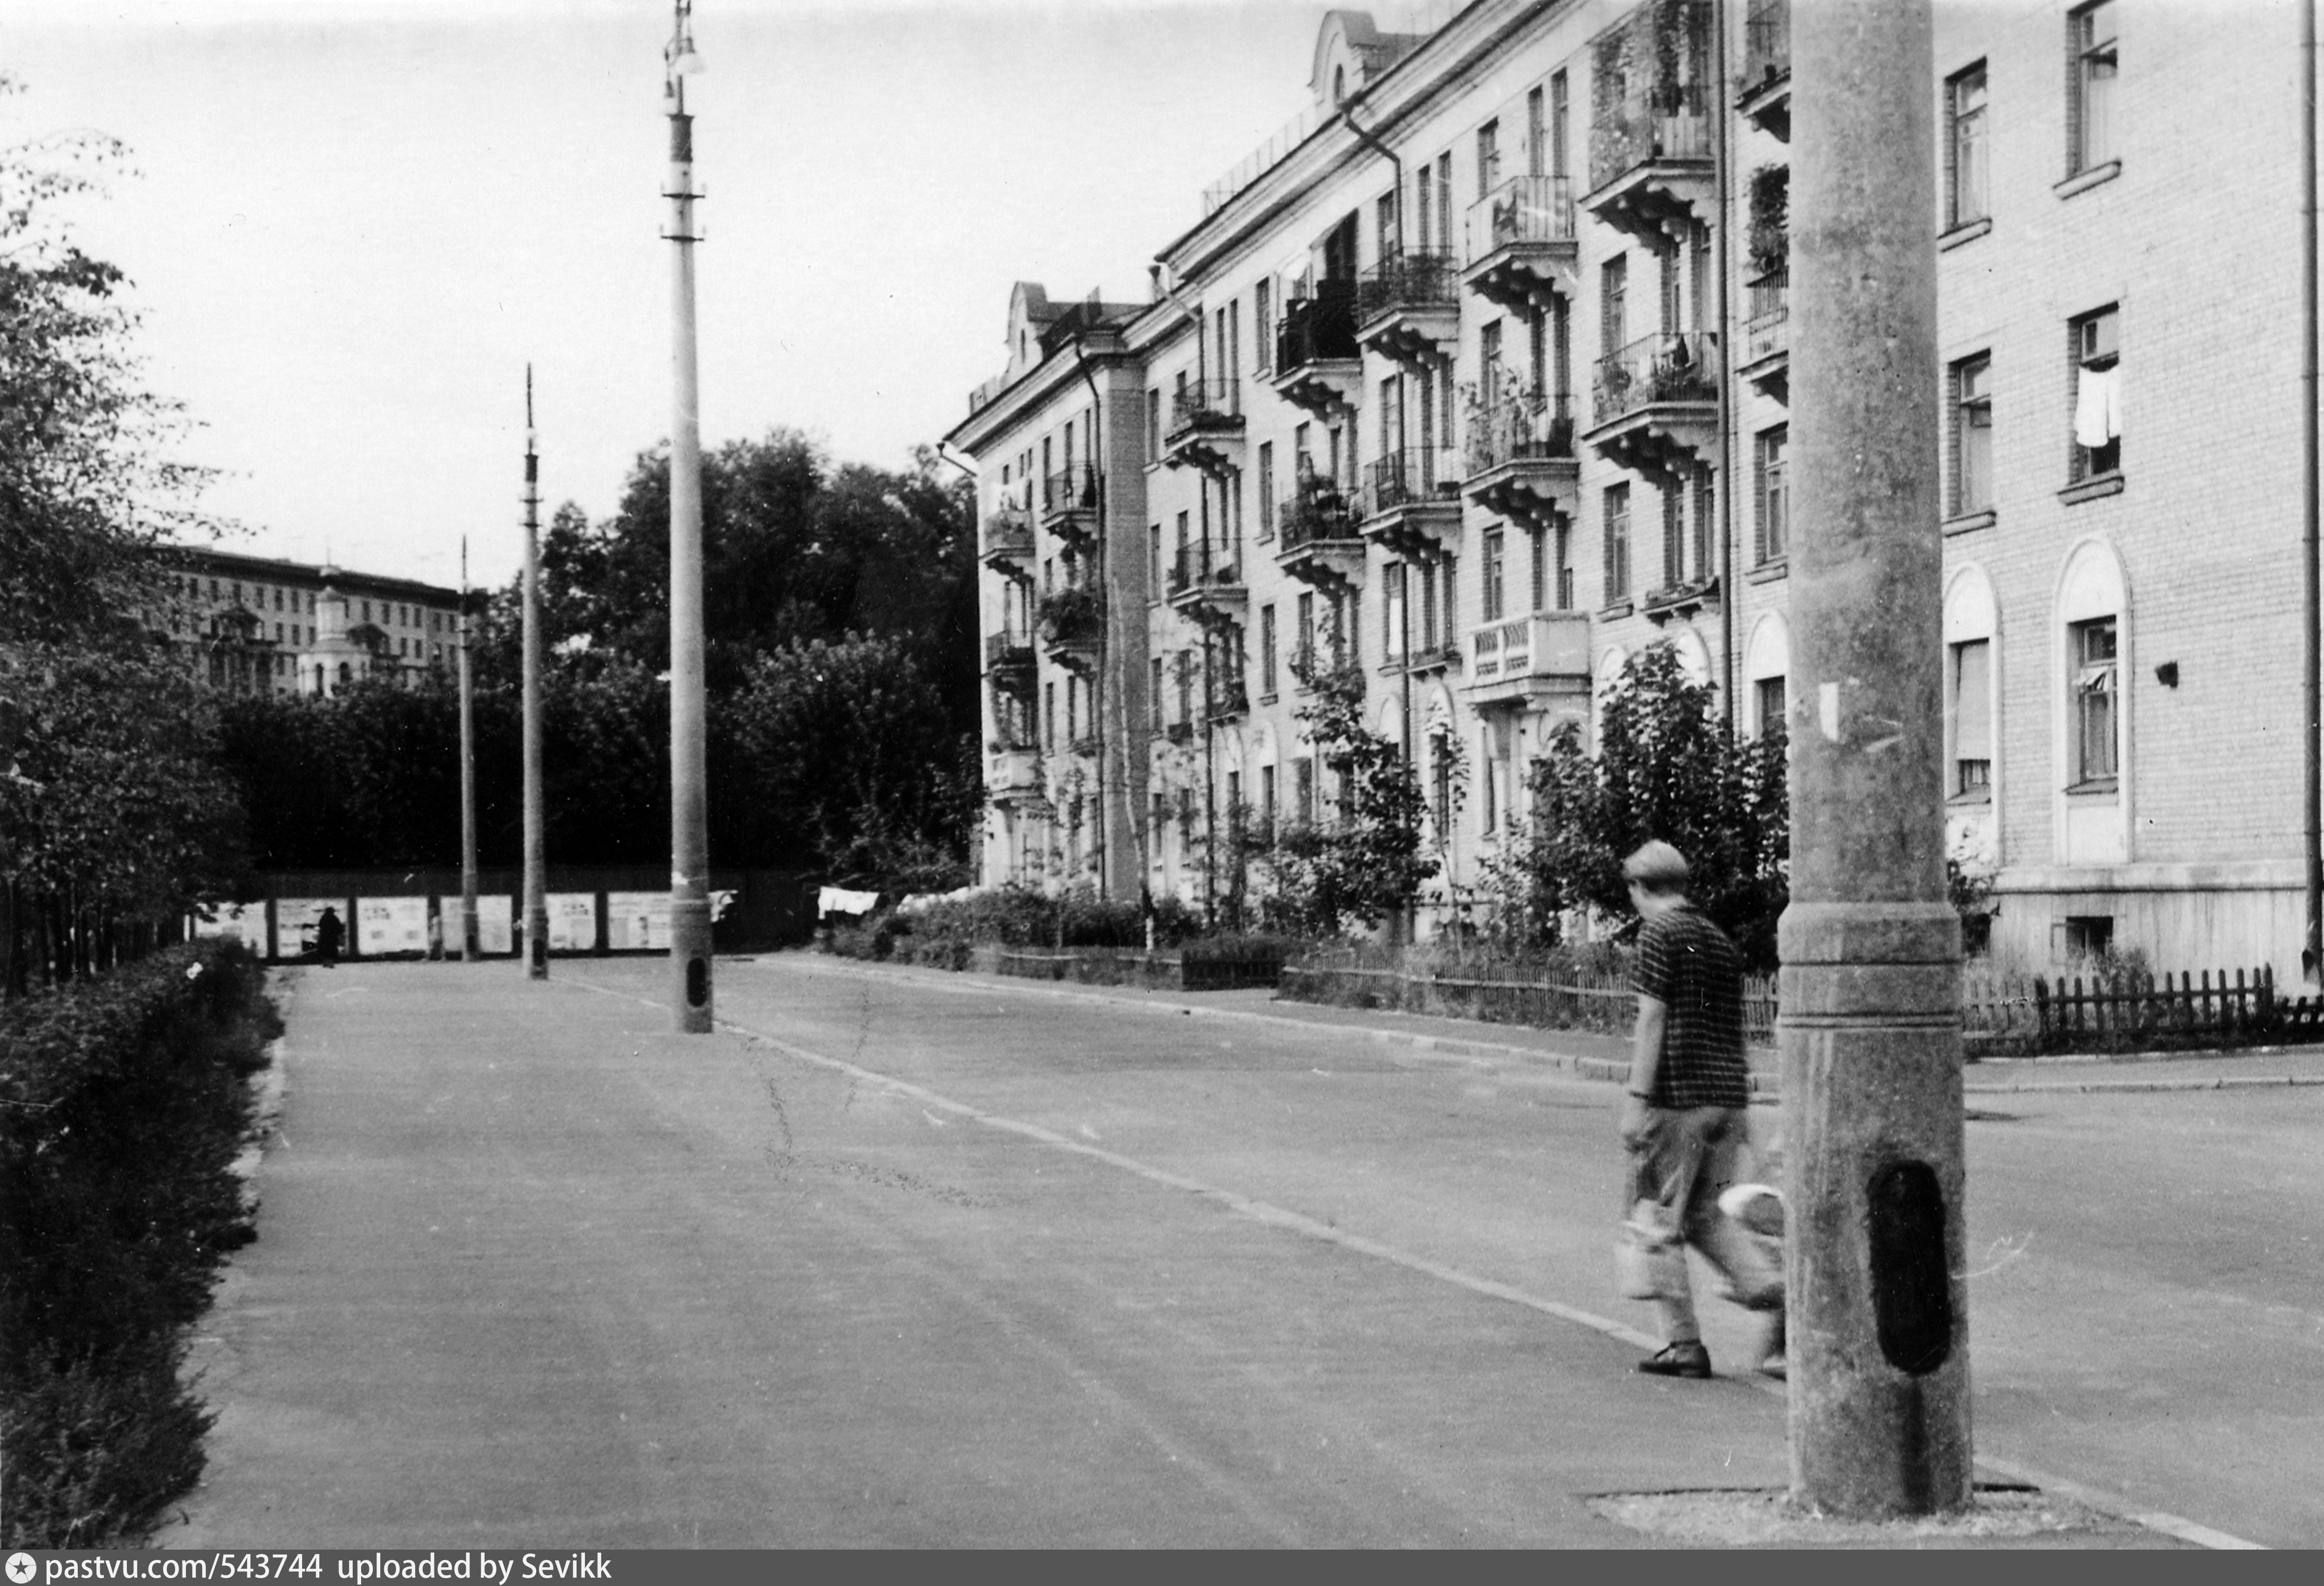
point(1478, 379)
point(258, 625)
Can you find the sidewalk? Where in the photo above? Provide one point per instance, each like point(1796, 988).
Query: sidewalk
point(1587, 1055)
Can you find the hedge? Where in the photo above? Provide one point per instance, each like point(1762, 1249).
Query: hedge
point(123, 1101)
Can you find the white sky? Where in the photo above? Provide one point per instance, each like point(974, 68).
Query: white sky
point(351, 222)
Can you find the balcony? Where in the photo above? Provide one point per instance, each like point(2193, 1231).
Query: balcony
point(1411, 503)
point(1231, 700)
point(1764, 94)
point(1408, 310)
point(1651, 173)
point(1319, 538)
point(1069, 505)
point(1086, 744)
point(1767, 338)
point(1207, 585)
point(1656, 403)
point(1521, 462)
point(1206, 428)
point(1012, 773)
point(1073, 627)
point(1008, 540)
point(1522, 661)
point(1522, 250)
point(1677, 601)
point(1009, 662)
point(1431, 655)
point(1180, 732)
point(1317, 364)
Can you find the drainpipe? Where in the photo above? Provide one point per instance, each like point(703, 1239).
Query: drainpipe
point(1105, 629)
point(1723, 187)
point(2312, 957)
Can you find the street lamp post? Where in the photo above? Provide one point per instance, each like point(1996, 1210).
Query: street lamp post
point(690, 818)
point(470, 946)
point(536, 862)
point(1871, 1029)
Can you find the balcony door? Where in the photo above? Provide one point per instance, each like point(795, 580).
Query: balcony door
point(1340, 251)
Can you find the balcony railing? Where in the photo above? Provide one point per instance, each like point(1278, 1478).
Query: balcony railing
point(1318, 328)
point(1206, 404)
point(1672, 125)
point(1768, 330)
point(1766, 43)
point(1198, 568)
point(1231, 700)
point(1002, 650)
point(1517, 425)
point(1073, 617)
point(1408, 479)
point(1070, 490)
point(1522, 210)
point(1316, 514)
point(1538, 645)
point(1405, 281)
point(1009, 530)
point(1679, 366)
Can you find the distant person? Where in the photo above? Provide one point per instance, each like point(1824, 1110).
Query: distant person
point(1684, 1118)
point(328, 933)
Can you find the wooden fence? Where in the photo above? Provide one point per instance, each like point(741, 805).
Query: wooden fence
point(2137, 1011)
point(1546, 998)
point(1117, 967)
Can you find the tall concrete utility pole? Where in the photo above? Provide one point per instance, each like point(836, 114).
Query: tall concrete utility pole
point(689, 808)
point(1871, 948)
point(536, 862)
point(470, 946)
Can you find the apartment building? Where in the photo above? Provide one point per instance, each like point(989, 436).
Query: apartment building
point(1477, 378)
point(250, 624)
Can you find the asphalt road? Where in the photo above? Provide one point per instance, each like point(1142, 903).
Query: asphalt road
point(945, 1261)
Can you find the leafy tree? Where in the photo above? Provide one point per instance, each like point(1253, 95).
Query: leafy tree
point(113, 815)
point(1665, 768)
point(1369, 860)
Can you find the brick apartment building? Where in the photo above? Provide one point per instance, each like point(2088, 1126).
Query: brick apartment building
point(255, 624)
point(1477, 376)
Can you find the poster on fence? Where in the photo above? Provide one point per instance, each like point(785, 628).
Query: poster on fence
point(637, 921)
point(294, 923)
point(495, 922)
point(387, 926)
point(573, 922)
point(246, 922)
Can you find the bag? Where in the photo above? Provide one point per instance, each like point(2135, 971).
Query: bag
point(1650, 1257)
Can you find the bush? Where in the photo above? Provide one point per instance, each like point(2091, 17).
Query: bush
point(123, 1101)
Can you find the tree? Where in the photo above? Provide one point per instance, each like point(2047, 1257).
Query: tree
point(113, 815)
point(1665, 768)
point(1369, 860)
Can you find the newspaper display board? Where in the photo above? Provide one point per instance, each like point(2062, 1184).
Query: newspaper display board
point(572, 922)
point(246, 922)
point(637, 921)
point(387, 926)
point(495, 922)
point(294, 924)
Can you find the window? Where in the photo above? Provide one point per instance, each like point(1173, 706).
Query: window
point(1265, 795)
point(2097, 379)
point(1536, 148)
point(1186, 685)
point(2091, 66)
point(1538, 588)
point(1674, 535)
point(1392, 611)
point(1157, 828)
point(1267, 490)
point(1303, 639)
point(2095, 726)
point(1050, 716)
point(1427, 609)
point(1972, 403)
point(1267, 648)
point(1154, 693)
point(1970, 684)
point(1613, 308)
point(1444, 199)
point(1618, 543)
point(1774, 493)
point(1154, 425)
point(1496, 556)
point(1966, 196)
point(1557, 107)
point(1423, 192)
point(1303, 788)
point(1384, 225)
point(2084, 935)
point(1262, 326)
point(1769, 695)
point(1153, 561)
point(1488, 158)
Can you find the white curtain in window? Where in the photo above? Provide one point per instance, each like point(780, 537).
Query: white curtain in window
point(2098, 407)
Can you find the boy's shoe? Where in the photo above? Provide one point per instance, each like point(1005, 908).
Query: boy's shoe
point(1678, 1359)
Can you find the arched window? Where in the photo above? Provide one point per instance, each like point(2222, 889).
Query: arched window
point(1766, 666)
point(2091, 657)
point(1339, 83)
point(1971, 713)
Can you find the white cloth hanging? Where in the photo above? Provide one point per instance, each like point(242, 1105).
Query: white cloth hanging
point(2098, 407)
